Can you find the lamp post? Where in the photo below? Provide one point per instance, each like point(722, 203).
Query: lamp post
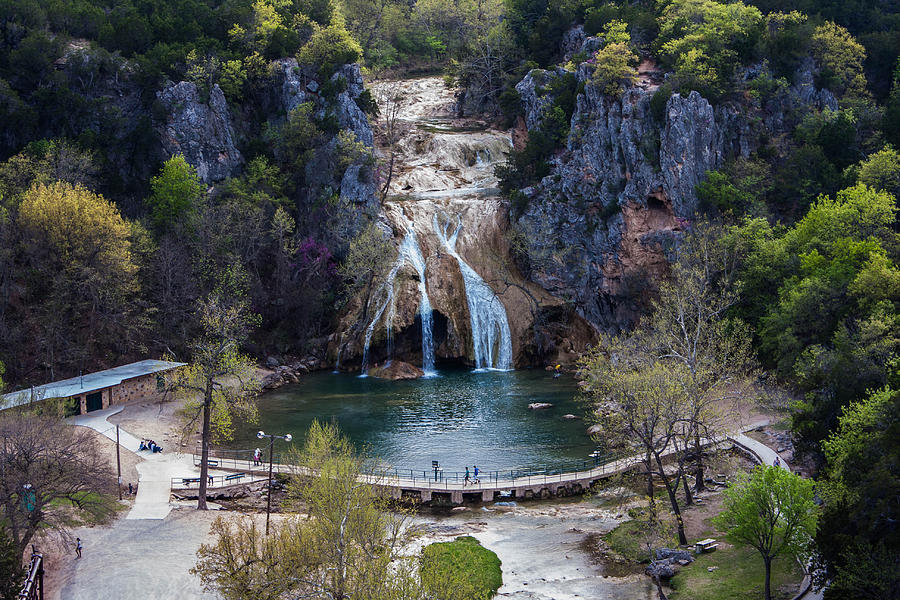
point(286, 437)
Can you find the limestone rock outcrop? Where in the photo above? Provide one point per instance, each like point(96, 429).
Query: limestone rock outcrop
point(199, 129)
point(600, 228)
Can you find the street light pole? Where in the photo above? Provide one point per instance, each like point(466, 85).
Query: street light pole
point(286, 437)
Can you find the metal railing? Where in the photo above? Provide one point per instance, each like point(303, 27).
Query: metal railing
point(242, 460)
point(213, 481)
point(33, 588)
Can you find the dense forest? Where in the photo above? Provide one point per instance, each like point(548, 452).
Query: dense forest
point(107, 241)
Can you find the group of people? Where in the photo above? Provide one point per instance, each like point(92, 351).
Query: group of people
point(257, 457)
point(150, 445)
point(469, 479)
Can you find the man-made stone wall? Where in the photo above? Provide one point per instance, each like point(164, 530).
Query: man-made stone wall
point(138, 388)
point(145, 387)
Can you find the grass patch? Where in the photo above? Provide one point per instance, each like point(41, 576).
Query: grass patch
point(740, 576)
point(88, 508)
point(460, 570)
point(628, 540)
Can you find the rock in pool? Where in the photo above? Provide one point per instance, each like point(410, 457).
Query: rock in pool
point(539, 405)
point(397, 369)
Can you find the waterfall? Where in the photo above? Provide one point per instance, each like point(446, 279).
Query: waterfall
point(337, 363)
point(410, 252)
point(409, 248)
point(490, 328)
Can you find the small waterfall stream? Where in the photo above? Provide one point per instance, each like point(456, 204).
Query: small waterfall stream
point(491, 336)
point(409, 252)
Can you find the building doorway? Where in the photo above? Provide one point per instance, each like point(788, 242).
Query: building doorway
point(94, 401)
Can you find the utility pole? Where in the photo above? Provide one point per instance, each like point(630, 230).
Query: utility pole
point(118, 462)
point(286, 437)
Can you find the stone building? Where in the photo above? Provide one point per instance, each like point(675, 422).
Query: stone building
point(145, 380)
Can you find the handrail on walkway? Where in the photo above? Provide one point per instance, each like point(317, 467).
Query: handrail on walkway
point(33, 588)
point(601, 466)
point(243, 460)
point(214, 481)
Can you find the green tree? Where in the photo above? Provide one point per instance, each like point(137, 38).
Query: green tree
point(328, 48)
point(219, 381)
point(861, 481)
point(615, 67)
point(347, 545)
point(673, 380)
point(297, 139)
point(262, 184)
point(82, 286)
point(771, 510)
point(174, 193)
point(705, 41)
point(881, 171)
point(830, 321)
point(840, 58)
point(368, 259)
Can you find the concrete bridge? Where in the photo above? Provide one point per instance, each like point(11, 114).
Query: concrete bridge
point(427, 487)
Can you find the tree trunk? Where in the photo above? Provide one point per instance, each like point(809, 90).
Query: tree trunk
point(649, 481)
point(768, 583)
point(204, 447)
point(688, 498)
point(659, 588)
point(682, 539)
point(698, 486)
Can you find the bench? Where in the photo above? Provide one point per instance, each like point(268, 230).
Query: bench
point(234, 477)
point(707, 545)
point(212, 463)
point(189, 480)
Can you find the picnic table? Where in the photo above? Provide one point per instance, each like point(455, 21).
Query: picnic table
point(707, 545)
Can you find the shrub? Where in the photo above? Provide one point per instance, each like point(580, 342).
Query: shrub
point(460, 570)
point(328, 48)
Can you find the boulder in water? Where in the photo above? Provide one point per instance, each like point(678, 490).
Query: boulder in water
point(397, 369)
point(540, 405)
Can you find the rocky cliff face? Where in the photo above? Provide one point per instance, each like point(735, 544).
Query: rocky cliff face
point(598, 227)
point(199, 129)
point(204, 132)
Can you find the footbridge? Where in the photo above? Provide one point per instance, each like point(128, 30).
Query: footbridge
point(451, 488)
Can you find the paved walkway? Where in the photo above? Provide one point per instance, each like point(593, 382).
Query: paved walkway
point(155, 471)
point(766, 454)
point(97, 421)
point(151, 559)
point(487, 485)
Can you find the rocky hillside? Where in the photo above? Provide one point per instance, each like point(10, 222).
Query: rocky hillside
point(597, 228)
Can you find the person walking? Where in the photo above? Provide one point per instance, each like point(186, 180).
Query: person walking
point(466, 481)
point(257, 457)
point(777, 461)
point(476, 473)
point(78, 546)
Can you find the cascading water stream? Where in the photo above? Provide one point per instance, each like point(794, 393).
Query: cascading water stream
point(491, 336)
point(409, 248)
point(409, 252)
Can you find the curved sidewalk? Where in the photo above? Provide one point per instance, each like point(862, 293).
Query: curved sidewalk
point(155, 471)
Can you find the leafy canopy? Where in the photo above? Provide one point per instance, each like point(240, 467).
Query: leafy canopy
point(174, 193)
point(771, 510)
